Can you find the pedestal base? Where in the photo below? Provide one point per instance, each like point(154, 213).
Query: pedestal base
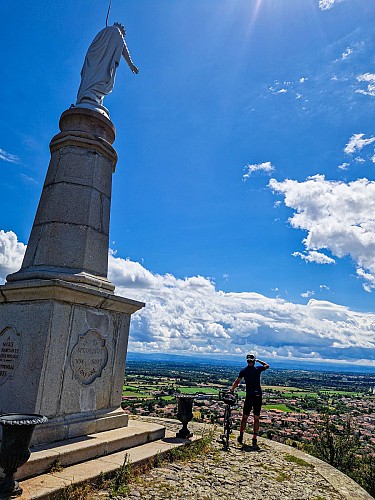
point(79, 424)
point(62, 355)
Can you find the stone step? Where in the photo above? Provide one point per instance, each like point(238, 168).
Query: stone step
point(76, 450)
point(50, 486)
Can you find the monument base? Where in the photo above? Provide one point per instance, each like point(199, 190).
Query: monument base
point(62, 354)
point(79, 424)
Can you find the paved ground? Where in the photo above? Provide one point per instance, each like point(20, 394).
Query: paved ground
point(270, 472)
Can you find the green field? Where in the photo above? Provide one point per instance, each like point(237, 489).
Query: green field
point(198, 390)
point(281, 407)
point(140, 395)
point(282, 388)
point(286, 392)
point(341, 393)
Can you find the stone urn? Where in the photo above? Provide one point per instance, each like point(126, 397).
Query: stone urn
point(184, 414)
point(14, 452)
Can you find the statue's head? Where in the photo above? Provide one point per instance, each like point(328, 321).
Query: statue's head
point(121, 27)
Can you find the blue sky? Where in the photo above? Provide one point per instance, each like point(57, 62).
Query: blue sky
point(244, 197)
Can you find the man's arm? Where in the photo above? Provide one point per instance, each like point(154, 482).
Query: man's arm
point(263, 363)
point(126, 56)
point(235, 384)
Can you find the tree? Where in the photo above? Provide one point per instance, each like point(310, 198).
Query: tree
point(337, 447)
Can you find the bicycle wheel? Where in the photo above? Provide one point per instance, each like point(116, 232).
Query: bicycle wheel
point(227, 428)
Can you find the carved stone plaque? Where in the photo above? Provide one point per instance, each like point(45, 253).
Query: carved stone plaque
point(10, 352)
point(89, 356)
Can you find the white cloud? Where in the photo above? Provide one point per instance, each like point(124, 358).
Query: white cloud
point(328, 4)
point(28, 180)
point(266, 167)
point(303, 79)
point(308, 293)
point(338, 217)
point(190, 316)
point(343, 166)
point(370, 89)
point(324, 287)
point(8, 157)
point(366, 77)
point(346, 53)
point(356, 143)
point(11, 253)
point(282, 91)
point(314, 256)
point(369, 278)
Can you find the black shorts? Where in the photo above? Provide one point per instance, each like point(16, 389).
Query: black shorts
point(252, 402)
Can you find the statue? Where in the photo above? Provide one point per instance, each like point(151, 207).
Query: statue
point(99, 68)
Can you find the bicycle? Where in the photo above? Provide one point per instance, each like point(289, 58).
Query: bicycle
point(230, 400)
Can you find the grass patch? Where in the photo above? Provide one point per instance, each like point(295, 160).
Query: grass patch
point(298, 461)
point(139, 395)
point(282, 476)
point(341, 393)
point(198, 390)
point(281, 407)
point(76, 493)
point(118, 484)
point(281, 388)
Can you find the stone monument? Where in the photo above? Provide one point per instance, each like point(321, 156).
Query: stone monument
point(63, 332)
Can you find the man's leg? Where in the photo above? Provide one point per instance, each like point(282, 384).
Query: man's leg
point(257, 408)
point(243, 423)
point(256, 425)
point(242, 427)
point(245, 415)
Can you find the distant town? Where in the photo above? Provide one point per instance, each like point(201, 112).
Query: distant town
point(294, 401)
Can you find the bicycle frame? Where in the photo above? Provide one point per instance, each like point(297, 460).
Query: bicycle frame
point(230, 400)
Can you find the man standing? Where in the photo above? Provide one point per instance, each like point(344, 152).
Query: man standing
point(253, 400)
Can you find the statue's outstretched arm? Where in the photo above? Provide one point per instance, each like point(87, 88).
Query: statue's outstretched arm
point(126, 56)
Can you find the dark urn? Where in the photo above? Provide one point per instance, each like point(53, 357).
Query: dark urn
point(184, 414)
point(14, 452)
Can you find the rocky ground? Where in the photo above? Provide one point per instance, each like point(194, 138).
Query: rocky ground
point(241, 472)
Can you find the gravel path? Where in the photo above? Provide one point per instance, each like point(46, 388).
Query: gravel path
point(239, 473)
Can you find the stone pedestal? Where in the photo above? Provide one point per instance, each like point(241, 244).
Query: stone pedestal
point(62, 354)
point(70, 234)
point(63, 333)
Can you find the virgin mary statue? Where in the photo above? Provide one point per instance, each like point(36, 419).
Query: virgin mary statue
point(99, 68)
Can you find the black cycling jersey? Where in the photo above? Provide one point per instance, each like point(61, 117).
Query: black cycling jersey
point(251, 374)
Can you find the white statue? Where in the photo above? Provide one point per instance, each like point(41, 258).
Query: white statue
point(99, 68)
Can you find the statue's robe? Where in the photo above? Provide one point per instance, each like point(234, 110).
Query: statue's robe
point(99, 68)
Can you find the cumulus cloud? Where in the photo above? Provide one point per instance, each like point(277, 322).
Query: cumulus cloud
point(266, 167)
point(11, 253)
point(8, 157)
point(356, 143)
point(308, 293)
point(369, 78)
point(338, 217)
point(190, 316)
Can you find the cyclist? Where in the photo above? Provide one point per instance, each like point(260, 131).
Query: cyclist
point(253, 400)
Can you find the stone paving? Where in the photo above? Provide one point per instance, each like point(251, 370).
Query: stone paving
point(241, 472)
